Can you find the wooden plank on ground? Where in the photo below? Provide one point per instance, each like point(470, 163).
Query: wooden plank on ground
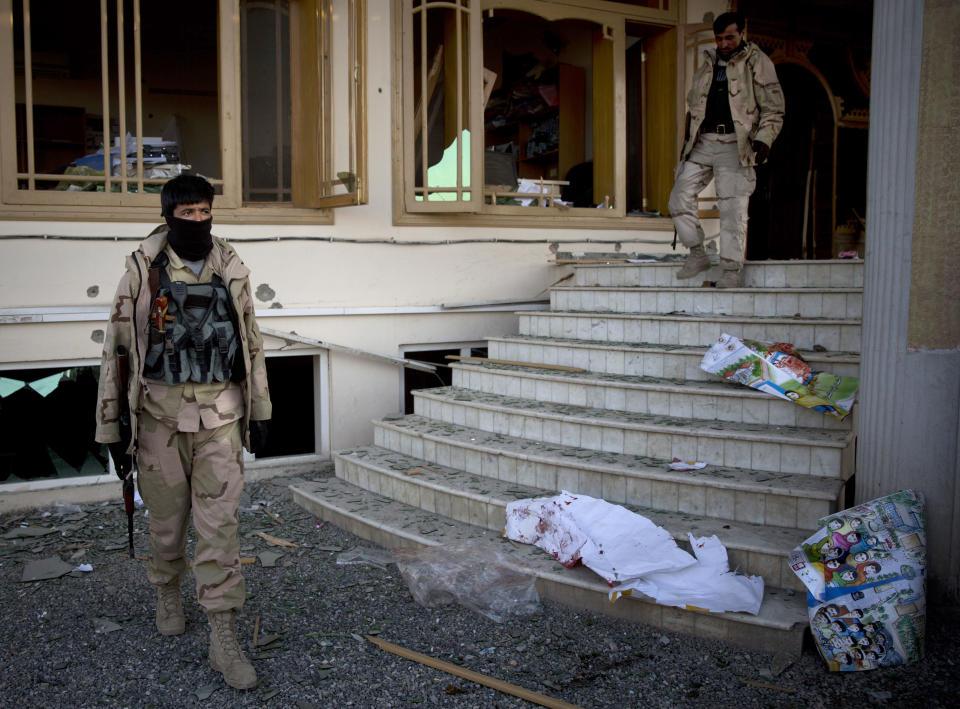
point(499, 685)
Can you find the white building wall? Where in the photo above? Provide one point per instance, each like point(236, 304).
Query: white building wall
point(55, 294)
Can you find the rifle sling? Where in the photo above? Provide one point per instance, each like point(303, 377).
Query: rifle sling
point(153, 280)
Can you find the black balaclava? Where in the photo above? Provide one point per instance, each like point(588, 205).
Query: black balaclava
point(191, 240)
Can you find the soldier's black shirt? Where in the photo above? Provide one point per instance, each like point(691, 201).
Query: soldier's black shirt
point(718, 99)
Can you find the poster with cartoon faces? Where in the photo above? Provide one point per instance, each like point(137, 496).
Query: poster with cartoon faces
point(778, 369)
point(865, 573)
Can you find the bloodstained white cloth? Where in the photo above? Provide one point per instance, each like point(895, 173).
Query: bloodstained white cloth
point(630, 552)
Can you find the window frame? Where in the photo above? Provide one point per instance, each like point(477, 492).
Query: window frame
point(312, 83)
point(124, 206)
point(613, 17)
point(470, 11)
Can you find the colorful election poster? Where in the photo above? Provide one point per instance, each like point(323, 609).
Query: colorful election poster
point(865, 573)
point(777, 368)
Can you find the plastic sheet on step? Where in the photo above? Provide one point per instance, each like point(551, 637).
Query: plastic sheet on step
point(380, 558)
point(776, 368)
point(630, 552)
point(865, 573)
point(471, 574)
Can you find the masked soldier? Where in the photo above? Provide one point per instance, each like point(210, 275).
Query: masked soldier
point(735, 113)
point(197, 393)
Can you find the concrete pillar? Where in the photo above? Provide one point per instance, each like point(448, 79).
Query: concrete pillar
point(909, 420)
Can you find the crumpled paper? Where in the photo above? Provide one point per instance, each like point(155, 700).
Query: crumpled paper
point(685, 465)
point(776, 368)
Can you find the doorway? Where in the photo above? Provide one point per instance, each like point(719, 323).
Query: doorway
point(791, 210)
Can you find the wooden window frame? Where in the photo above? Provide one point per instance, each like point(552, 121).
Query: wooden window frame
point(467, 28)
point(124, 206)
point(312, 83)
point(612, 16)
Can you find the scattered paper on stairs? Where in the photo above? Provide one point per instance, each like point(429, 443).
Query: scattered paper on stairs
point(630, 552)
point(684, 465)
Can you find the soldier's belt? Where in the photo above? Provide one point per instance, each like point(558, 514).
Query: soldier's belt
point(719, 129)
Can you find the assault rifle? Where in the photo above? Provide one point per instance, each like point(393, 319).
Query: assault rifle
point(126, 434)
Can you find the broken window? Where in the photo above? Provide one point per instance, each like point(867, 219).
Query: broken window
point(527, 99)
point(441, 50)
point(164, 97)
point(47, 424)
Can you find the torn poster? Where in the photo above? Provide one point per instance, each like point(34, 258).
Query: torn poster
point(630, 552)
point(777, 368)
point(865, 573)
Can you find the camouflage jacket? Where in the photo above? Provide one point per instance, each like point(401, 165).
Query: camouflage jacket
point(128, 326)
point(756, 99)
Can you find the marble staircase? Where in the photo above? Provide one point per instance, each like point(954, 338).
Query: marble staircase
point(504, 432)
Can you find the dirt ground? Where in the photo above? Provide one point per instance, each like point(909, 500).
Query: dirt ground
point(88, 638)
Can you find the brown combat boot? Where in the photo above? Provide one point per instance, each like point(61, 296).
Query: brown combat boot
point(697, 262)
point(226, 656)
point(170, 620)
point(731, 276)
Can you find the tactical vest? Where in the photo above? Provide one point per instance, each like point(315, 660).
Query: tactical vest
point(199, 341)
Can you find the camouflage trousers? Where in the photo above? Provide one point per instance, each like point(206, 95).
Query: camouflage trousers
point(200, 472)
point(714, 156)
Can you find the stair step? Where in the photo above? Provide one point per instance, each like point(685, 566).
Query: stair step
point(714, 399)
point(762, 302)
point(833, 334)
point(761, 274)
point(482, 501)
point(780, 624)
point(741, 494)
point(790, 449)
point(651, 360)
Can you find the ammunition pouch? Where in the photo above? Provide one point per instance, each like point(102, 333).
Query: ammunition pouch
point(199, 339)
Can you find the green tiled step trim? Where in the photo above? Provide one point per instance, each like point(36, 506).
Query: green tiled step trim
point(808, 451)
point(744, 495)
point(482, 501)
point(844, 303)
point(646, 359)
point(714, 399)
point(832, 334)
point(761, 274)
point(779, 626)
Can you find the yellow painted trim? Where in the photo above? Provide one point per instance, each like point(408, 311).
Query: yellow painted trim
point(534, 217)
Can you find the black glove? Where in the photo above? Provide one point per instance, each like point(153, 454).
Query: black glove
point(761, 149)
point(121, 459)
point(258, 437)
